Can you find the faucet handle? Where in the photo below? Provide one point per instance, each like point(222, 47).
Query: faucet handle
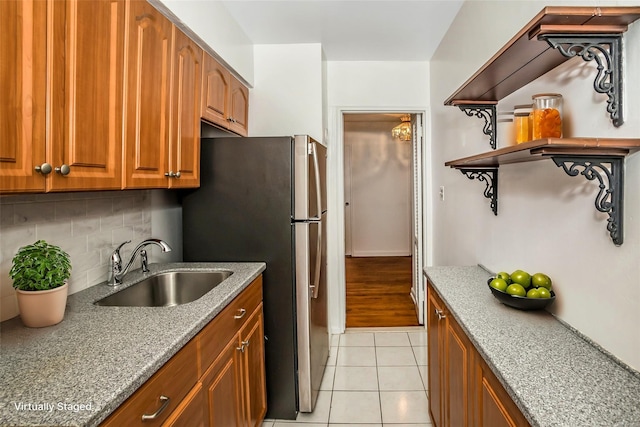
point(115, 256)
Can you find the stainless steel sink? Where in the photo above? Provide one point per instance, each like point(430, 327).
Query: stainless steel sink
point(167, 289)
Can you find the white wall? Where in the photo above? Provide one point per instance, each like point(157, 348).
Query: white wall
point(211, 21)
point(360, 86)
point(380, 188)
point(547, 221)
point(287, 97)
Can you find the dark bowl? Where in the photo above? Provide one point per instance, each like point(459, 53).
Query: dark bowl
point(521, 303)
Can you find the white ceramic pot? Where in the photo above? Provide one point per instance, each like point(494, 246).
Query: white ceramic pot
point(42, 308)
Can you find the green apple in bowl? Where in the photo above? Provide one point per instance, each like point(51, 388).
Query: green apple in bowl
point(504, 276)
point(541, 280)
point(516, 289)
point(521, 278)
point(499, 284)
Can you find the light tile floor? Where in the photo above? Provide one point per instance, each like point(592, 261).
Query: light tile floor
point(374, 378)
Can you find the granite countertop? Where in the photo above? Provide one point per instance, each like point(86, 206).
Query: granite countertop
point(556, 376)
point(77, 372)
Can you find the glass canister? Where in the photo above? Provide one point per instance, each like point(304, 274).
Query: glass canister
point(522, 123)
point(547, 116)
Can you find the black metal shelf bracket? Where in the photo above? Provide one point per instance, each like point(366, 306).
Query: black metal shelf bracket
point(486, 112)
point(490, 178)
point(606, 50)
point(609, 172)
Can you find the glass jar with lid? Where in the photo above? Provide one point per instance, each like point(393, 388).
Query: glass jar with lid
point(522, 123)
point(547, 116)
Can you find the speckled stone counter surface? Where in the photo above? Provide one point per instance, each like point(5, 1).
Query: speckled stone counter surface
point(77, 372)
point(556, 376)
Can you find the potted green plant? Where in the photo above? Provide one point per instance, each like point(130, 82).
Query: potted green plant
point(40, 272)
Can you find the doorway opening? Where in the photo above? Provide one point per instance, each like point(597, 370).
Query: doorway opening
point(382, 221)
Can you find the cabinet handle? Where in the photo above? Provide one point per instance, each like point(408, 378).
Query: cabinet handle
point(241, 315)
point(171, 174)
point(244, 345)
point(165, 402)
point(63, 170)
point(440, 314)
point(44, 169)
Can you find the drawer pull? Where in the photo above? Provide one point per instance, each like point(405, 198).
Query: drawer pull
point(165, 402)
point(241, 315)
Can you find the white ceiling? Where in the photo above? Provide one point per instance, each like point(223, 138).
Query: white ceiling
point(350, 30)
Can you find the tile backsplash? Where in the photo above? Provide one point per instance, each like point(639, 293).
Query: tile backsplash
point(87, 225)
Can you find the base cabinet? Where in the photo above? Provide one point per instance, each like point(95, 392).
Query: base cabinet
point(463, 391)
point(494, 408)
point(212, 381)
point(223, 388)
point(235, 382)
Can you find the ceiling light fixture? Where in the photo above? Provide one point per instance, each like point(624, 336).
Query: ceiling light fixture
point(403, 130)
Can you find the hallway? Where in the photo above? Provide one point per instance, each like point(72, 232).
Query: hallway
point(378, 292)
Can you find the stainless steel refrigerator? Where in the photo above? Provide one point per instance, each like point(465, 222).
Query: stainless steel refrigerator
point(264, 199)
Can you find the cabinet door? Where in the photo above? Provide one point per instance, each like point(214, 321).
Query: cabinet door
point(494, 405)
point(459, 356)
point(147, 97)
point(22, 85)
point(191, 411)
point(86, 60)
point(435, 353)
point(239, 122)
point(252, 340)
point(223, 388)
point(184, 150)
point(216, 91)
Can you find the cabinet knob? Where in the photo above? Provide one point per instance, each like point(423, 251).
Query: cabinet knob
point(440, 314)
point(63, 170)
point(44, 169)
point(232, 120)
point(172, 174)
point(176, 175)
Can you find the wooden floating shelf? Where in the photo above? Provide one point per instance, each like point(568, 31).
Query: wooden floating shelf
point(545, 148)
point(525, 58)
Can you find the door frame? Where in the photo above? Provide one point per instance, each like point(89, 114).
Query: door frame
point(335, 200)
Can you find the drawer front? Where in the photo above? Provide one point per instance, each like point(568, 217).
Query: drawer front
point(227, 323)
point(174, 380)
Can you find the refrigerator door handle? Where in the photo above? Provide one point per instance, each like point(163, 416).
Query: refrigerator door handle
point(315, 286)
point(316, 170)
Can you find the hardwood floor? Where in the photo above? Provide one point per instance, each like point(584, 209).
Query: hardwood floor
point(378, 292)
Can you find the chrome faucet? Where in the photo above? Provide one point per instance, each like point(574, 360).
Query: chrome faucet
point(116, 272)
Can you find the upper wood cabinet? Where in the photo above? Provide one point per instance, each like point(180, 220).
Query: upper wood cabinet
point(23, 79)
point(86, 94)
point(184, 147)
point(162, 124)
point(64, 135)
point(225, 100)
point(147, 96)
point(239, 122)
